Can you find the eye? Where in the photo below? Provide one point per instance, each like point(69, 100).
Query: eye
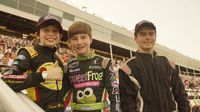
point(46, 30)
point(74, 38)
point(151, 33)
point(88, 92)
point(142, 33)
point(83, 36)
point(79, 94)
point(55, 30)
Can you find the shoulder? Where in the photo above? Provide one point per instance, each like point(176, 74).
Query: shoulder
point(71, 64)
point(30, 49)
point(170, 62)
point(101, 57)
point(104, 60)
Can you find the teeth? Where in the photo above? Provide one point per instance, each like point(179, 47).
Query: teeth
point(51, 39)
point(80, 47)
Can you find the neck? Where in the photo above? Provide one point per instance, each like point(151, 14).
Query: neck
point(46, 46)
point(151, 52)
point(85, 55)
point(89, 55)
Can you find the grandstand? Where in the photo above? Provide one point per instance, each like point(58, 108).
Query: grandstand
point(18, 17)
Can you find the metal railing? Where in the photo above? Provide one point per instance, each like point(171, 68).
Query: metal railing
point(12, 102)
point(29, 102)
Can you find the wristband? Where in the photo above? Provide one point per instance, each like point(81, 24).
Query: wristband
point(44, 74)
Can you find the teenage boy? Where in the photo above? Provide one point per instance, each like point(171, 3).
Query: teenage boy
point(149, 82)
point(38, 69)
point(91, 76)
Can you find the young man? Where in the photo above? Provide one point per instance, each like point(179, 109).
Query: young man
point(91, 76)
point(41, 67)
point(148, 82)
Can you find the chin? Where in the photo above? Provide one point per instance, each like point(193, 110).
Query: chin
point(81, 53)
point(148, 47)
point(51, 45)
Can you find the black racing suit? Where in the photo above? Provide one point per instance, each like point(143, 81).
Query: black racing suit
point(91, 79)
point(150, 84)
point(26, 74)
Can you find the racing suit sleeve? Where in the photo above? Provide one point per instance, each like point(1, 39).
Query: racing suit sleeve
point(15, 78)
point(128, 93)
point(112, 87)
point(179, 92)
point(66, 85)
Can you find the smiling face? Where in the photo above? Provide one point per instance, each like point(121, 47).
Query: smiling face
point(5, 60)
point(49, 36)
point(80, 43)
point(146, 39)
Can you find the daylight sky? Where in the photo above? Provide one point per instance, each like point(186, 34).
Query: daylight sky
point(177, 21)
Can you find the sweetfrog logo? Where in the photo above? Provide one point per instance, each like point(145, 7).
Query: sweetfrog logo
point(94, 75)
point(50, 84)
point(86, 96)
point(88, 76)
point(73, 65)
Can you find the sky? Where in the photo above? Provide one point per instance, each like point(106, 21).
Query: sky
point(177, 21)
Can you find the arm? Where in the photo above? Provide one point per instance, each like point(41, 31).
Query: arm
point(112, 87)
point(66, 85)
point(128, 93)
point(15, 78)
point(179, 92)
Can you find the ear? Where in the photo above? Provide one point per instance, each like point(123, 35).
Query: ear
point(172, 64)
point(70, 45)
point(37, 34)
point(69, 42)
point(61, 36)
point(38, 38)
point(135, 38)
point(91, 39)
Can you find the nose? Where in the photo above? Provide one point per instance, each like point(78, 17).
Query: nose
point(79, 41)
point(51, 33)
point(148, 36)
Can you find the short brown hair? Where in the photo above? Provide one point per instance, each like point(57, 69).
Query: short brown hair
point(79, 27)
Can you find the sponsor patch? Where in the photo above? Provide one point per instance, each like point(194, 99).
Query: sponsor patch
point(96, 61)
point(95, 67)
point(115, 90)
point(15, 63)
point(43, 69)
point(113, 78)
point(86, 84)
point(21, 57)
point(114, 83)
point(74, 70)
point(15, 77)
point(73, 65)
point(13, 67)
point(88, 76)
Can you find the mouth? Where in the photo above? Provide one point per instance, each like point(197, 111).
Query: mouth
point(147, 42)
point(51, 39)
point(79, 48)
